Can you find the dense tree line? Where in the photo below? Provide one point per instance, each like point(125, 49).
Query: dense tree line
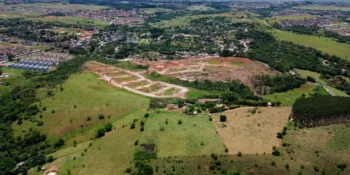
point(282, 83)
point(284, 56)
point(321, 110)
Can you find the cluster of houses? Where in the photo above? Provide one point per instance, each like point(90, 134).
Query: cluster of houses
point(340, 28)
point(32, 65)
point(106, 14)
point(44, 61)
point(321, 22)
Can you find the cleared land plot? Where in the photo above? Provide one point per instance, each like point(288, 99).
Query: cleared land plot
point(195, 136)
point(171, 91)
point(83, 95)
point(288, 98)
point(124, 79)
point(252, 133)
point(214, 69)
point(321, 7)
point(137, 84)
point(115, 74)
point(326, 45)
point(153, 90)
point(305, 73)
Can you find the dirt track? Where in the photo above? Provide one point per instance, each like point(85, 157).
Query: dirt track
point(106, 73)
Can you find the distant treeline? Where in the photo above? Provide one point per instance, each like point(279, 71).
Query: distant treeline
point(321, 110)
point(314, 30)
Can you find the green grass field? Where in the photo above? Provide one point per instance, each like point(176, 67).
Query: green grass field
point(288, 98)
point(326, 45)
point(340, 139)
point(14, 80)
point(110, 154)
point(71, 20)
point(7, 15)
point(305, 73)
point(322, 7)
point(199, 8)
point(83, 95)
point(194, 137)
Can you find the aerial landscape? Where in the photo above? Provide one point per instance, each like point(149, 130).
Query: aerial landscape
point(162, 87)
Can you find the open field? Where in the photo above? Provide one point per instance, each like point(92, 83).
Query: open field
point(59, 6)
point(150, 89)
point(214, 69)
point(83, 96)
point(194, 137)
point(7, 15)
point(288, 98)
point(199, 8)
point(252, 133)
point(110, 154)
point(71, 20)
point(326, 45)
point(305, 73)
point(322, 7)
point(15, 79)
point(307, 151)
point(294, 17)
point(184, 20)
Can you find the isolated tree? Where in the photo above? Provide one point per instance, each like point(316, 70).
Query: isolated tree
point(108, 127)
point(223, 118)
point(100, 132)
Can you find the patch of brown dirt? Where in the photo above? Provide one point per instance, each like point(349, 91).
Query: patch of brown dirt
point(252, 133)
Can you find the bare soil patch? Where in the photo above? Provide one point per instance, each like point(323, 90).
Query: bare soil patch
point(134, 81)
point(252, 133)
point(215, 69)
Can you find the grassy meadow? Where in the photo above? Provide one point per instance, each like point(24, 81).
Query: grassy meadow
point(326, 45)
point(15, 79)
point(251, 133)
point(288, 98)
point(83, 96)
point(199, 8)
point(195, 136)
point(292, 17)
point(71, 20)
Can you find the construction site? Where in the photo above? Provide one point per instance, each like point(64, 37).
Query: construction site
point(224, 69)
point(135, 81)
